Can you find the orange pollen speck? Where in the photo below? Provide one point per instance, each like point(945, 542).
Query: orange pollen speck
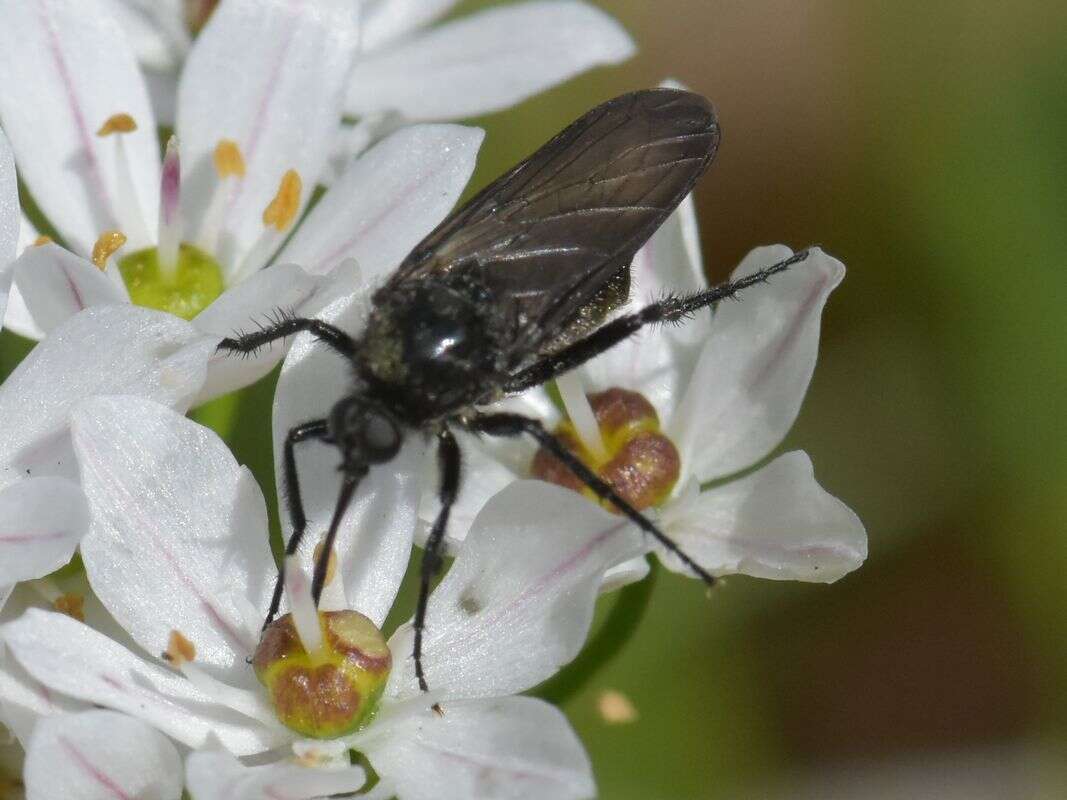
point(106, 245)
point(117, 123)
point(641, 465)
point(228, 159)
point(42, 240)
point(73, 605)
point(281, 211)
point(179, 649)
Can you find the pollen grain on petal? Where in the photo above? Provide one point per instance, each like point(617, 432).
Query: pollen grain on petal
point(117, 123)
point(228, 159)
point(179, 649)
point(106, 245)
point(281, 211)
point(73, 605)
point(42, 240)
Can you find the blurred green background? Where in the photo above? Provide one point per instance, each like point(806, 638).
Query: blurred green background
point(924, 144)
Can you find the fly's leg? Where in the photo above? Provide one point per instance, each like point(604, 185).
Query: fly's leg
point(448, 459)
point(309, 431)
point(250, 343)
point(351, 480)
point(670, 309)
point(516, 425)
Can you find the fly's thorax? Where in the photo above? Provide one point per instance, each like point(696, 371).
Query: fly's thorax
point(432, 347)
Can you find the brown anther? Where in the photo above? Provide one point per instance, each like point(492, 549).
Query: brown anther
point(179, 649)
point(73, 605)
point(436, 709)
point(331, 565)
point(105, 247)
point(197, 13)
point(228, 159)
point(281, 211)
point(117, 123)
point(42, 240)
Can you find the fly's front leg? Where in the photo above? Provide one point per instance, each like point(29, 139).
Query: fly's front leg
point(448, 459)
point(250, 343)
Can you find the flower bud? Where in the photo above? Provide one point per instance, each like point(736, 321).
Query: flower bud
point(333, 691)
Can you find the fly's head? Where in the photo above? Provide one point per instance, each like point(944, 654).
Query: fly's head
point(364, 431)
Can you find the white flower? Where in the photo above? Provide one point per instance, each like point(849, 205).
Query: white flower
point(726, 388)
point(259, 103)
point(407, 65)
point(178, 541)
point(101, 350)
point(9, 220)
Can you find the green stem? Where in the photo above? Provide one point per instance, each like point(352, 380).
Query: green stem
point(606, 644)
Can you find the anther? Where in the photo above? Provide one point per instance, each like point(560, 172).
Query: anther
point(331, 565)
point(105, 247)
point(73, 605)
point(42, 240)
point(281, 211)
point(228, 159)
point(117, 123)
point(179, 649)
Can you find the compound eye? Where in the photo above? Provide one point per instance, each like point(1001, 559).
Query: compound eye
point(380, 437)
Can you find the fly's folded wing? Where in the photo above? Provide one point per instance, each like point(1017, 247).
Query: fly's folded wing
point(547, 237)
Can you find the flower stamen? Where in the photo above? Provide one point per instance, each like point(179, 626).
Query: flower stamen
point(131, 217)
point(229, 169)
point(41, 240)
point(278, 217)
point(181, 653)
point(106, 246)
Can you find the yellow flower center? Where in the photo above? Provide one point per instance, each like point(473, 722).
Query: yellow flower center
point(185, 291)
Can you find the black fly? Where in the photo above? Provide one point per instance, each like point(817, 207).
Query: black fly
point(510, 291)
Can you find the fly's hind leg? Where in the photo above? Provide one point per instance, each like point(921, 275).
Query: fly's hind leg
point(250, 343)
point(516, 425)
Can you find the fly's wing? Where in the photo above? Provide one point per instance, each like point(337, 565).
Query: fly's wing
point(547, 236)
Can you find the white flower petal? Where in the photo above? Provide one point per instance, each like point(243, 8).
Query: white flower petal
point(10, 218)
point(119, 349)
point(216, 775)
point(270, 76)
point(282, 288)
point(18, 317)
point(487, 61)
point(658, 360)
point(775, 523)
point(751, 378)
point(155, 28)
point(66, 67)
point(23, 700)
point(56, 284)
point(72, 658)
point(178, 528)
point(387, 200)
point(499, 749)
point(518, 601)
point(374, 543)
point(100, 755)
point(386, 21)
point(41, 522)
